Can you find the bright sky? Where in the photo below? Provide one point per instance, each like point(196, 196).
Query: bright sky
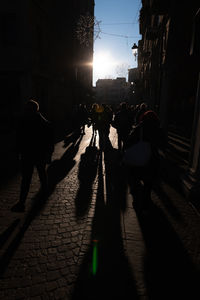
point(119, 31)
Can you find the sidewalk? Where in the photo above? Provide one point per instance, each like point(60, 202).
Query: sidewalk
point(167, 243)
point(163, 246)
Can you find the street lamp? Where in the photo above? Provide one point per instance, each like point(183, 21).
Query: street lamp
point(135, 50)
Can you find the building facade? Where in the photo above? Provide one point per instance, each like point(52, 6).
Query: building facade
point(43, 57)
point(168, 62)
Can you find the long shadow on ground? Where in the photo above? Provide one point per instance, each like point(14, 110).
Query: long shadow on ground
point(56, 172)
point(169, 272)
point(105, 272)
point(86, 175)
point(72, 137)
point(38, 202)
point(59, 169)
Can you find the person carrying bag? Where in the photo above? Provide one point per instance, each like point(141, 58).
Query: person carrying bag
point(141, 159)
point(139, 154)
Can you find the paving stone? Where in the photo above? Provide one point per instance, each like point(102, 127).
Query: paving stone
point(38, 279)
point(37, 290)
point(53, 275)
point(60, 294)
point(36, 298)
point(51, 286)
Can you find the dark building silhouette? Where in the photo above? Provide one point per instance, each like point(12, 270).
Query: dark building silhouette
point(168, 62)
point(43, 57)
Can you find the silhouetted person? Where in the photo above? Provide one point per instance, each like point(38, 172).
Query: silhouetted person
point(35, 144)
point(141, 178)
point(93, 117)
point(143, 107)
point(82, 117)
point(103, 122)
point(123, 123)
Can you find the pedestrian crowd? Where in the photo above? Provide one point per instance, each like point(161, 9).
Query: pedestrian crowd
point(140, 137)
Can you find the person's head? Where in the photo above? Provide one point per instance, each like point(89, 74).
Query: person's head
point(94, 106)
point(100, 108)
point(32, 106)
point(143, 106)
point(123, 106)
point(150, 117)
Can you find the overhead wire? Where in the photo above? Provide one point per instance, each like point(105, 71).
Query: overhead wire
point(130, 23)
point(122, 23)
point(137, 13)
point(120, 35)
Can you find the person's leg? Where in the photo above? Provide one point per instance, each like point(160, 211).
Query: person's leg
point(26, 172)
point(147, 194)
point(41, 168)
point(148, 179)
point(136, 187)
point(119, 142)
point(101, 139)
point(123, 140)
point(83, 129)
point(95, 129)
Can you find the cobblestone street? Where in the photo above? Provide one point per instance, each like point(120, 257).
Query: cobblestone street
point(46, 244)
point(86, 241)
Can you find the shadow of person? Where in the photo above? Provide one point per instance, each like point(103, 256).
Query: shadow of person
point(170, 172)
point(104, 141)
point(60, 168)
point(38, 203)
point(168, 270)
point(116, 181)
point(71, 138)
point(159, 189)
point(105, 272)
point(4, 236)
point(86, 175)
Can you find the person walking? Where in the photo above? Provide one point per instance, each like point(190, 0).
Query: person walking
point(35, 144)
point(93, 117)
point(82, 117)
point(142, 177)
point(103, 123)
point(143, 107)
point(123, 124)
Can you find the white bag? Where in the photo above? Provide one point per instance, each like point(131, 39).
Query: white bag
point(138, 154)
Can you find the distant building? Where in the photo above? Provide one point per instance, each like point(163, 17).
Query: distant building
point(133, 75)
point(112, 91)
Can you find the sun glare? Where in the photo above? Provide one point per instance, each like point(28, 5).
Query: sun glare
point(103, 65)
